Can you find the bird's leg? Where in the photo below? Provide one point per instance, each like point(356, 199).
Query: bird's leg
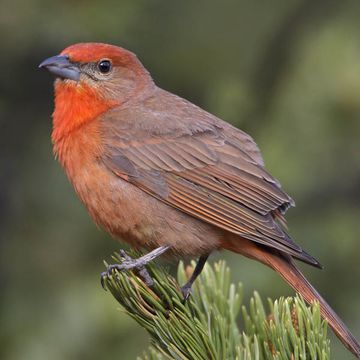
point(139, 264)
point(186, 289)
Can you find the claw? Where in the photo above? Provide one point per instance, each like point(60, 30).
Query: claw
point(118, 267)
point(186, 289)
point(138, 265)
point(102, 279)
point(186, 292)
point(124, 255)
point(109, 272)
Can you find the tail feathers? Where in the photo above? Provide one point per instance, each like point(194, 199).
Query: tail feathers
point(284, 265)
point(292, 275)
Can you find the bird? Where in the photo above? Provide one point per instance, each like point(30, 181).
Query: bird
point(164, 175)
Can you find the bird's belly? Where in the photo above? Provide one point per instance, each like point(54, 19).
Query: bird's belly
point(132, 215)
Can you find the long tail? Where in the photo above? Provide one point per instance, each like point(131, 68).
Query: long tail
point(284, 265)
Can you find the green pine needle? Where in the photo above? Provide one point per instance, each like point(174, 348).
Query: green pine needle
point(207, 325)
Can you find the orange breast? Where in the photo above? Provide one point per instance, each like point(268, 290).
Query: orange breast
point(75, 105)
point(77, 137)
point(112, 202)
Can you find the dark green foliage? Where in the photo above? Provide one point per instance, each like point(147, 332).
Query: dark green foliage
point(207, 326)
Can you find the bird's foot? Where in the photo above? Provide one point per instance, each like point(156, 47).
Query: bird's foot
point(138, 265)
point(186, 292)
point(186, 289)
point(128, 263)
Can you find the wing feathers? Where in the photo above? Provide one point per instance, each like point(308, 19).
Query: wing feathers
point(228, 212)
point(209, 176)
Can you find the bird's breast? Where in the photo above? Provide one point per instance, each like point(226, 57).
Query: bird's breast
point(75, 106)
point(123, 209)
point(113, 203)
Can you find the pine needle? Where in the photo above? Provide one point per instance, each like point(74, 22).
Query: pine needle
point(206, 327)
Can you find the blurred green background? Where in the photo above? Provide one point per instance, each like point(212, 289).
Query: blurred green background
point(287, 72)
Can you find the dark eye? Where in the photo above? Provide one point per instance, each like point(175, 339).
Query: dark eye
point(104, 66)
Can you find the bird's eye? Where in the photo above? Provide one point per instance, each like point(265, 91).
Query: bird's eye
point(104, 66)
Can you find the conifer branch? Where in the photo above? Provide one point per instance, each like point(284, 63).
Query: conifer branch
point(207, 325)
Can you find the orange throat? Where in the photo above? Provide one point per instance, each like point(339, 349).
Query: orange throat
point(75, 106)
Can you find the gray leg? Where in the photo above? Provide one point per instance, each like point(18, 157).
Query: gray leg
point(186, 289)
point(129, 263)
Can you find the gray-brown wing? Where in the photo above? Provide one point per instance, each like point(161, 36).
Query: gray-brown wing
point(203, 170)
point(208, 180)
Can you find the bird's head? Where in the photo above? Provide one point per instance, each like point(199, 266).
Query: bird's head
point(111, 71)
point(91, 79)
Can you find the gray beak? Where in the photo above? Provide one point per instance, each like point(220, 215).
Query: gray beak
point(60, 66)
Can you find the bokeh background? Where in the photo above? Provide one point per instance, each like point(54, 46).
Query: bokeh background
point(287, 72)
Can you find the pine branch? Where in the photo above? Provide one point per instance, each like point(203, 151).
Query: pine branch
point(206, 326)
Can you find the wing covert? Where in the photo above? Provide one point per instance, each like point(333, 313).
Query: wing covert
point(208, 177)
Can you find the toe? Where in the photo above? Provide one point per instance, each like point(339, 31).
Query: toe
point(103, 275)
point(186, 291)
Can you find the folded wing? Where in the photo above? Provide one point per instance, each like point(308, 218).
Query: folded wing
point(208, 175)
